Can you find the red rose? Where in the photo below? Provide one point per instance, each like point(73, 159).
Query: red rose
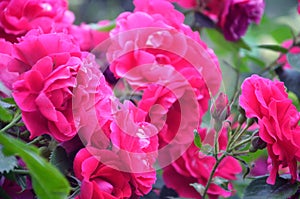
point(100, 178)
point(278, 120)
point(18, 17)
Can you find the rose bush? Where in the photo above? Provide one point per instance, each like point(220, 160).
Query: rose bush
point(147, 132)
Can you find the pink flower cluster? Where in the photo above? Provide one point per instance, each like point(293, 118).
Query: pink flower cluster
point(278, 121)
point(232, 16)
point(52, 75)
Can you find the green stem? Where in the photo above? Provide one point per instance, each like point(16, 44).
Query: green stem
point(238, 153)
point(218, 161)
point(21, 171)
point(216, 145)
point(232, 136)
point(16, 118)
point(36, 140)
point(237, 137)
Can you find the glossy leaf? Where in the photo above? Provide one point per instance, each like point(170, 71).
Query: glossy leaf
point(258, 188)
point(103, 28)
point(275, 48)
point(60, 160)
point(5, 114)
point(197, 139)
point(47, 181)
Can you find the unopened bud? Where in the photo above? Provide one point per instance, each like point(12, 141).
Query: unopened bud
point(242, 118)
point(250, 121)
point(241, 110)
point(252, 149)
point(258, 143)
point(220, 110)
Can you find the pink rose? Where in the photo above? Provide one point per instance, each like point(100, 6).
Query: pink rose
point(100, 177)
point(186, 3)
point(157, 54)
point(49, 65)
point(195, 167)
point(7, 78)
point(162, 8)
point(87, 37)
point(136, 143)
point(237, 16)
point(18, 17)
point(299, 6)
point(278, 120)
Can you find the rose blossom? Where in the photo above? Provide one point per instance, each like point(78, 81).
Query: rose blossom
point(6, 77)
point(18, 17)
point(237, 16)
point(87, 37)
point(278, 120)
point(136, 143)
point(195, 167)
point(232, 16)
point(49, 65)
point(99, 180)
point(157, 54)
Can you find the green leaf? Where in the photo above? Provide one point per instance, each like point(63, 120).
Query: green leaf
point(60, 160)
point(103, 28)
point(295, 99)
point(5, 115)
point(7, 163)
point(47, 181)
point(199, 188)
point(275, 48)
point(258, 188)
point(207, 149)
point(222, 182)
point(9, 101)
point(223, 45)
point(294, 60)
point(197, 139)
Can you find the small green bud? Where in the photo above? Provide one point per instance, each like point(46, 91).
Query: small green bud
point(250, 121)
point(242, 118)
